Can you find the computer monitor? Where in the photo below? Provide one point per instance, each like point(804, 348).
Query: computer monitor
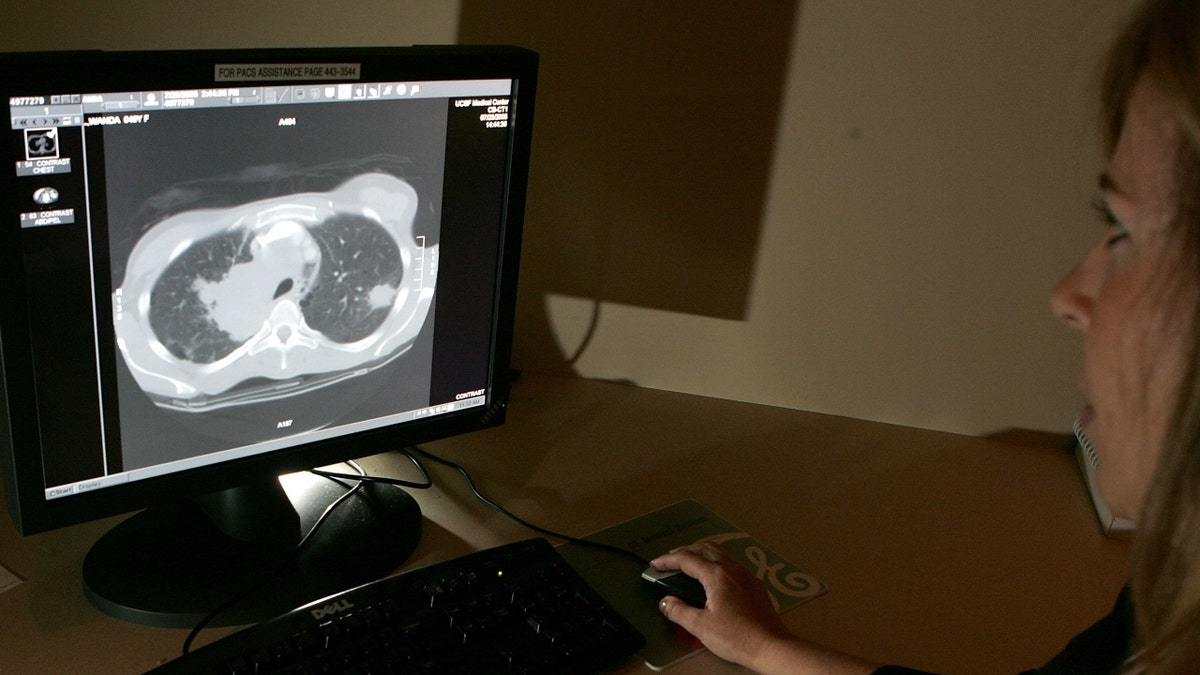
point(221, 267)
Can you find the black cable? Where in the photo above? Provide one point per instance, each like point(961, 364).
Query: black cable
point(361, 479)
point(521, 521)
point(428, 482)
point(208, 618)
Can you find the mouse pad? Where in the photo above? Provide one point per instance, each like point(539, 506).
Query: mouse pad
point(618, 578)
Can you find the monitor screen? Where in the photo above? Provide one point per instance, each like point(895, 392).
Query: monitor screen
point(220, 266)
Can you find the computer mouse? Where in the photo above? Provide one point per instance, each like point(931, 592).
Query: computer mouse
point(674, 582)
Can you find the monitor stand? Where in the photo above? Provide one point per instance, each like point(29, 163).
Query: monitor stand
point(172, 566)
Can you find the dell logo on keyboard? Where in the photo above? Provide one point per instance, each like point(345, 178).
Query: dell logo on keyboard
point(331, 609)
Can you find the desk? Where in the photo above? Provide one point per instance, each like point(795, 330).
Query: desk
point(941, 551)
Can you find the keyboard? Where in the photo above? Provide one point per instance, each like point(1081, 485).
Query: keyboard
point(516, 608)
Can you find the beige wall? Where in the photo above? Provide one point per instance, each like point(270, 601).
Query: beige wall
point(203, 24)
point(855, 207)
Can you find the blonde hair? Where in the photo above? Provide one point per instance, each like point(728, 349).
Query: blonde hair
point(1162, 42)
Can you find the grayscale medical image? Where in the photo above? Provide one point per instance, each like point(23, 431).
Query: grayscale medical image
point(267, 281)
point(301, 290)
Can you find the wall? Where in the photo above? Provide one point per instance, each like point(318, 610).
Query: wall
point(203, 24)
point(855, 207)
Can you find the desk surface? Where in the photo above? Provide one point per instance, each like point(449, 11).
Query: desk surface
point(942, 552)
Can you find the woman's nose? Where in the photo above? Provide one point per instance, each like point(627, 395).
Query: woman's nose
point(1073, 298)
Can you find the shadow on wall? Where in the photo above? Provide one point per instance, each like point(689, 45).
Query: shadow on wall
point(652, 151)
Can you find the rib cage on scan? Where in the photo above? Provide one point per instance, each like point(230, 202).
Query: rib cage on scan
point(267, 299)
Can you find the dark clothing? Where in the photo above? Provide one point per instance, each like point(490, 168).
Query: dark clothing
point(1103, 648)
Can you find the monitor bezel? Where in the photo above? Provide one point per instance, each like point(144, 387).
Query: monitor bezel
point(29, 72)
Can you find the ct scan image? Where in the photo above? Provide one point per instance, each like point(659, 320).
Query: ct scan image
point(264, 283)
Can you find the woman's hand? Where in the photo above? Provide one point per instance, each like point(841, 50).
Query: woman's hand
point(738, 620)
point(739, 623)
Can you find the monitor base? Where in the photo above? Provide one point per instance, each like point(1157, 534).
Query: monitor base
point(170, 567)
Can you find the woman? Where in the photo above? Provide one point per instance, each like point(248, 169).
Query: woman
point(1135, 297)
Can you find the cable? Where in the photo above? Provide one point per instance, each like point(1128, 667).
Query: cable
point(428, 482)
point(208, 618)
point(521, 521)
point(361, 479)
